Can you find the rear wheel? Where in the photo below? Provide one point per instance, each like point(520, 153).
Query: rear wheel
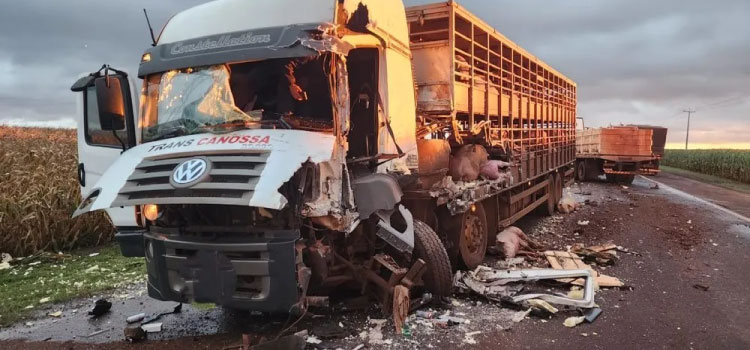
point(581, 171)
point(428, 247)
point(627, 179)
point(468, 237)
point(551, 196)
point(558, 188)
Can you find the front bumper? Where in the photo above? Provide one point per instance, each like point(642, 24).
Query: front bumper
point(256, 273)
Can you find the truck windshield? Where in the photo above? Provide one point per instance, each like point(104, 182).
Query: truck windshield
point(282, 93)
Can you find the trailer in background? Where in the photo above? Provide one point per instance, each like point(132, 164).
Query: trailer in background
point(620, 153)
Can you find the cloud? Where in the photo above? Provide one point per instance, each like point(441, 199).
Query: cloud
point(634, 61)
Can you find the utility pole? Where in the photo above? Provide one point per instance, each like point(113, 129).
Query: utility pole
point(687, 134)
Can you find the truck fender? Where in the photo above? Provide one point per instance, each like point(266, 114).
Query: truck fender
point(380, 194)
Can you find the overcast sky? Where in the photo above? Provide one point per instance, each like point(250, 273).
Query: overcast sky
point(635, 61)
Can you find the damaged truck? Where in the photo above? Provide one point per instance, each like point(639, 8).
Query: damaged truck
point(282, 150)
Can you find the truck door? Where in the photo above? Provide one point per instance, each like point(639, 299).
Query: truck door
point(106, 128)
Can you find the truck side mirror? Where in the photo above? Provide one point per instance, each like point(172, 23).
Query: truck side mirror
point(111, 101)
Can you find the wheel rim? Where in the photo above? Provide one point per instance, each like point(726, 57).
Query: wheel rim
point(473, 232)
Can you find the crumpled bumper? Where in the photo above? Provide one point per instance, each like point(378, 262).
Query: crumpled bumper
point(255, 273)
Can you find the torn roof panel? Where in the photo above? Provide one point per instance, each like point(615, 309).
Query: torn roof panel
point(229, 16)
point(386, 15)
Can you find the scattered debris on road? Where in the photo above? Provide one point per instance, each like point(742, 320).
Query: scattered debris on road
point(571, 322)
point(101, 307)
point(134, 334)
point(569, 261)
point(136, 318)
point(152, 327)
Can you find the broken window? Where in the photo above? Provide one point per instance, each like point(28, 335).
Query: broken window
point(279, 93)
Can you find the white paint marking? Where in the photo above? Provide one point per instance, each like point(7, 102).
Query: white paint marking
point(697, 199)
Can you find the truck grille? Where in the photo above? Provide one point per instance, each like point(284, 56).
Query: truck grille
point(231, 181)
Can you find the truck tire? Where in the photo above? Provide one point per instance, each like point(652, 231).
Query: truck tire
point(427, 246)
point(467, 237)
point(558, 188)
point(551, 196)
point(627, 179)
point(581, 171)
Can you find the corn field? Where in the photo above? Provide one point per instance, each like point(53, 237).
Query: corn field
point(729, 164)
point(39, 192)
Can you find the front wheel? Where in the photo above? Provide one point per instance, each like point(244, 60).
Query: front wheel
point(428, 247)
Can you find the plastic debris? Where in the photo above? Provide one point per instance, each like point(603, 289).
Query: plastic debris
point(177, 309)
point(44, 300)
point(136, 318)
point(521, 315)
point(571, 322)
point(101, 307)
point(313, 340)
point(592, 314)
point(583, 222)
point(93, 255)
point(152, 327)
point(469, 337)
point(56, 314)
point(5, 260)
point(542, 305)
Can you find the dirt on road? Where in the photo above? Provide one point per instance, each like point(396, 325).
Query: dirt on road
point(686, 288)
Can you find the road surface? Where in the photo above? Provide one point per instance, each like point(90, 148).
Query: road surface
point(687, 288)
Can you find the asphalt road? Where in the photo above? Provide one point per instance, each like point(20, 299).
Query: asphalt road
point(687, 288)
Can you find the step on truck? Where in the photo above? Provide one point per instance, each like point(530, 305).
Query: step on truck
point(280, 150)
point(620, 153)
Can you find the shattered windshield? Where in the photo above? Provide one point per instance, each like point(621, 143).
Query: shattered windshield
point(284, 93)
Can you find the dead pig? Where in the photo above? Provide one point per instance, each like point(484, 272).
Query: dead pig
point(493, 169)
point(467, 163)
point(512, 240)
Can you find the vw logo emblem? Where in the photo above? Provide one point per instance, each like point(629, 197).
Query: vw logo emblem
point(189, 172)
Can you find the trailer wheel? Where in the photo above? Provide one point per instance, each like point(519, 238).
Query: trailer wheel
point(428, 247)
point(551, 196)
point(581, 171)
point(558, 188)
point(627, 179)
point(468, 237)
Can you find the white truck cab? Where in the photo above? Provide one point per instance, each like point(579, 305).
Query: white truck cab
point(260, 163)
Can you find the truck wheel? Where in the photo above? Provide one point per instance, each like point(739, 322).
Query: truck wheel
point(428, 247)
point(558, 188)
point(552, 194)
point(581, 171)
point(627, 179)
point(467, 234)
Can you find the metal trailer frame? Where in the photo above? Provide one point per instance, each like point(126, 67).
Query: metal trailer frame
point(476, 86)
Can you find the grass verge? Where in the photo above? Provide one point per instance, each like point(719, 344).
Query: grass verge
point(710, 179)
point(43, 279)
